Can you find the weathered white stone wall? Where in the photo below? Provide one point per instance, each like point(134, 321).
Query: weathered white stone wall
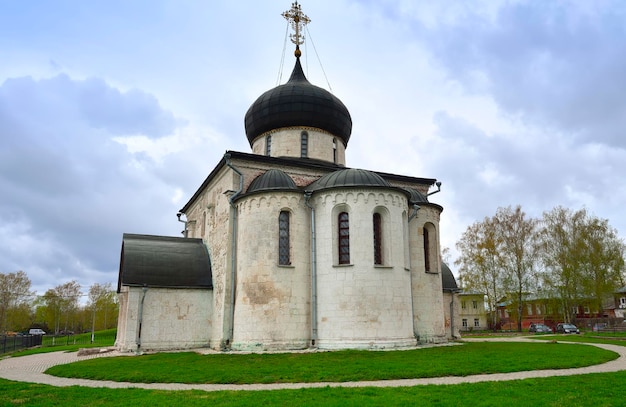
point(362, 305)
point(452, 322)
point(172, 318)
point(211, 214)
point(426, 287)
point(272, 308)
point(286, 143)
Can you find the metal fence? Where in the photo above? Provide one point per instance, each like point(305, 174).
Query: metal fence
point(103, 339)
point(18, 342)
point(13, 343)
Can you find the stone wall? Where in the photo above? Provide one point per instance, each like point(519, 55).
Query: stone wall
point(171, 318)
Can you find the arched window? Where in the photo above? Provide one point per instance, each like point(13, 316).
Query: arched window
point(426, 250)
point(431, 263)
point(304, 144)
point(335, 150)
point(344, 238)
point(268, 145)
point(284, 244)
point(378, 238)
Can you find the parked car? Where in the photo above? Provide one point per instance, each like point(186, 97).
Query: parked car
point(540, 329)
point(567, 329)
point(36, 331)
point(599, 326)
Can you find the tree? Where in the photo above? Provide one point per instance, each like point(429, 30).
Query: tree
point(478, 264)
point(101, 298)
point(14, 294)
point(61, 303)
point(583, 258)
point(517, 248)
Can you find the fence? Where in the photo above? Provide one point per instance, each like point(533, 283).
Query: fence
point(13, 343)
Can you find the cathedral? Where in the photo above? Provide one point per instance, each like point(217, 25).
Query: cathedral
point(286, 247)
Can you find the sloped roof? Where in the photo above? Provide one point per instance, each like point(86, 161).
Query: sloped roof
point(448, 281)
point(165, 262)
point(349, 177)
point(273, 179)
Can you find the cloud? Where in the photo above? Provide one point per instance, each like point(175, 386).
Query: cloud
point(558, 64)
point(70, 188)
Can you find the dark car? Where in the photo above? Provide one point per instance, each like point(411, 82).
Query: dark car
point(540, 329)
point(567, 329)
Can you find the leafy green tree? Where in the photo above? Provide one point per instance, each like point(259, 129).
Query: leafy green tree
point(516, 252)
point(15, 294)
point(102, 302)
point(583, 258)
point(61, 305)
point(479, 268)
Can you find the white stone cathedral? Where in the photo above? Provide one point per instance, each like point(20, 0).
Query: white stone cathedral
point(287, 247)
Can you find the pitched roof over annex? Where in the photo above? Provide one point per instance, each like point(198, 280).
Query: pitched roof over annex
point(164, 262)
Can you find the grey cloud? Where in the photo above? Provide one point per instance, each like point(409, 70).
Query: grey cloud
point(123, 113)
point(68, 191)
point(549, 63)
point(538, 170)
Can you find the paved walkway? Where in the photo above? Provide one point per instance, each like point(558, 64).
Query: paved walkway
point(31, 368)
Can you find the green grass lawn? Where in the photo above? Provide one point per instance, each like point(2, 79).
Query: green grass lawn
point(339, 366)
point(597, 390)
point(606, 389)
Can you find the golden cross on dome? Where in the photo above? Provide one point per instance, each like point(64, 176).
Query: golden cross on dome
point(298, 20)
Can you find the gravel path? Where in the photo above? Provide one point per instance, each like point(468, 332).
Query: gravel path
point(31, 368)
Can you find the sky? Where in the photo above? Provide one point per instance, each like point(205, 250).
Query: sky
point(113, 112)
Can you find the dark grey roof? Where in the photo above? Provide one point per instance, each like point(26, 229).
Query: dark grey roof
point(162, 261)
point(292, 162)
point(349, 177)
point(273, 179)
point(298, 103)
point(416, 197)
point(448, 281)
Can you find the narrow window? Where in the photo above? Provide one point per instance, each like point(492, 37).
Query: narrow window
point(475, 304)
point(284, 257)
point(476, 323)
point(426, 251)
point(530, 309)
point(344, 238)
point(304, 144)
point(268, 145)
point(335, 150)
point(465, 323)
point(463, 305)
point(378, 244)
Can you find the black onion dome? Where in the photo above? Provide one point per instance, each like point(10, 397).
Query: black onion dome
point(416, 197)
point(349, 177)
point(272, 180)
point(298, 103)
